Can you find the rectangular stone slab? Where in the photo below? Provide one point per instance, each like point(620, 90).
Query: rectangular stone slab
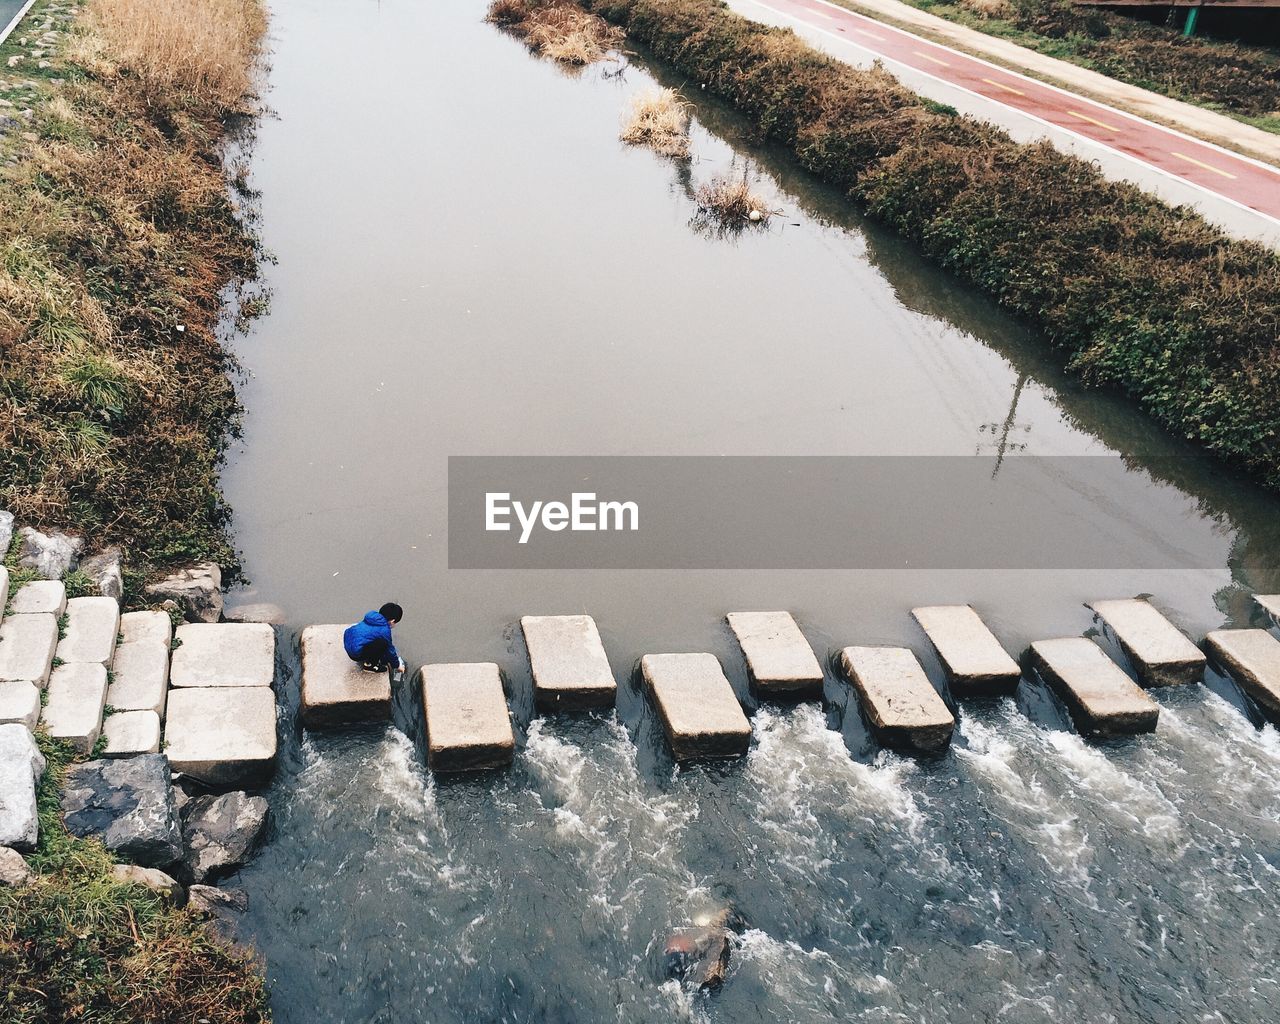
point(47, 596)
point(1159, 653)
point(222, 735)
point(1252, 656)
point(468, 725)
point(92, 626)
point(131, 732)
point(27, 643)
point(779, 659)
point(20, 702)
point(139, 677)
point(904, 708)
point(1101, 697)
point(697, 705)
point(223, 654)
point(1269, 603)
point(971, 656)
point(73, 711)
point(335, 689)
point(136, 627)
point(570, 668)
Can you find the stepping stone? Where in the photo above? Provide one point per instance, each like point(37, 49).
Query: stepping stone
point(1160, 654)
point(222, 735)
point(40, 596)
point(27, 643)
point(224, 654)
point(77, 694)
point(699, 710)
point(1252, 656)
point(971, 656)
point(336, 690)
point(21, 765)
point(1269, 603)
point(1102, 698)
point(904, 708)
point(570, 668)
point(468, 725)
point(779, 659)
point(19, 702)
point(92, 626)
point(131, 732)
point(139, 627)
point(139, 677)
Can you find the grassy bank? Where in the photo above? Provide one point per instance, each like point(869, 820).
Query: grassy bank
point(119, 235)
point(1234, 79)
point(75, 945)
point(1134, 294)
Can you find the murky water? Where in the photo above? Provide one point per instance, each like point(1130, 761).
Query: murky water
point(468, 262)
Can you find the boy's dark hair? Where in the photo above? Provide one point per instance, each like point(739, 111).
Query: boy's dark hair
point(390, 611)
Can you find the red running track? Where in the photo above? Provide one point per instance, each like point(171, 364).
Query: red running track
point(1242, 181)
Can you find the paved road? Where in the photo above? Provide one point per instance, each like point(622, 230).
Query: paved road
point(8, 8)
point(1239, 180)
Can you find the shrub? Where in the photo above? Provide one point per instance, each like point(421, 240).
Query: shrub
point(557, 29)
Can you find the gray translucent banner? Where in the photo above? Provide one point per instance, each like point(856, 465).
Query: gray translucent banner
point(825, 512)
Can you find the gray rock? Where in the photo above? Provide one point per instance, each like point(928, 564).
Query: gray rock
point(21, 765)
point(104, 569)
point(153, 878)
point(13, 869)
point(51, 555)
point(221, 907)
point(128, 804)
point(6, 532)
point(272, 614)
point(221, 833)
point(197, 591)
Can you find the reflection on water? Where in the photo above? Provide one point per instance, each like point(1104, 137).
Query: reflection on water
point(470, 263)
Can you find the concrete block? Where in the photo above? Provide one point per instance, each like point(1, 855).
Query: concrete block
point(1269, 603)
point(131, 732)
point(4, 580)
point(77, 695)
point(40, 596)
point(140, 677)
point(20, 702)
point(27, 643)
point(1252, 657)
point(779, 659)
point(904, 708)
point(468, 725)
point(971, 656)
point(1159, 653)
point(222, 735)
point(224, 654)
point(1101, 697)
point(336, 690)
point(699, 710)
point(570, 668)
point(137, 627)
point(93, 624)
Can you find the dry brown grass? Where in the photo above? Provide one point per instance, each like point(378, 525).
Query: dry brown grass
point(659, 119)
point(204, 50)
point(731, 201)
point(557, 29)
point(990, 8)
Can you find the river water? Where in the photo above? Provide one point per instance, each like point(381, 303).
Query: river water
point(468, 262)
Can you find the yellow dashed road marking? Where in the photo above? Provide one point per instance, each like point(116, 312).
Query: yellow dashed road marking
point(1093, 120)
point(1207, 167)
point(1006, 88)
point(934, 59)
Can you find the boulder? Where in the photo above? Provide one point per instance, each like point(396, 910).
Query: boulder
point(52, 555)
point(153, 878)
point(221, 833)
point(128, 804)
point(104, 569)
point(700, 955)
point(21, 765)
point(6, 532)
point(197, 591)
point(13, 869)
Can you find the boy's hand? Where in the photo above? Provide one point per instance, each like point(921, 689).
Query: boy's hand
point(402, 666)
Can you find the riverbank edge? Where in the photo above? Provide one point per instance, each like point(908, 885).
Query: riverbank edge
point(1138, 295)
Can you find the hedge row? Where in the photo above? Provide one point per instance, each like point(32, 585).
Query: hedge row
point(1138, 294)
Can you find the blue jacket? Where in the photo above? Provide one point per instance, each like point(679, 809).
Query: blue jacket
point(372, 626)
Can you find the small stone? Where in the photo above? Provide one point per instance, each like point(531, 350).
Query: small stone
point(131, 732)
point(93, 623)
point(139, 627)
point(198, 591)
point(51, 555)
point(21, 765)
point(48, 597)
point(77, 695)
point(221, 833)
point(153, 878)
point(272, 614)
point(207, 899)
point(13, 868)
point(104, 569)
point(128, 804)
point(19, 702)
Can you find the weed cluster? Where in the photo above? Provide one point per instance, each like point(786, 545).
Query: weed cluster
point(557, 29)
point(730, 200)
point(659, 119)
